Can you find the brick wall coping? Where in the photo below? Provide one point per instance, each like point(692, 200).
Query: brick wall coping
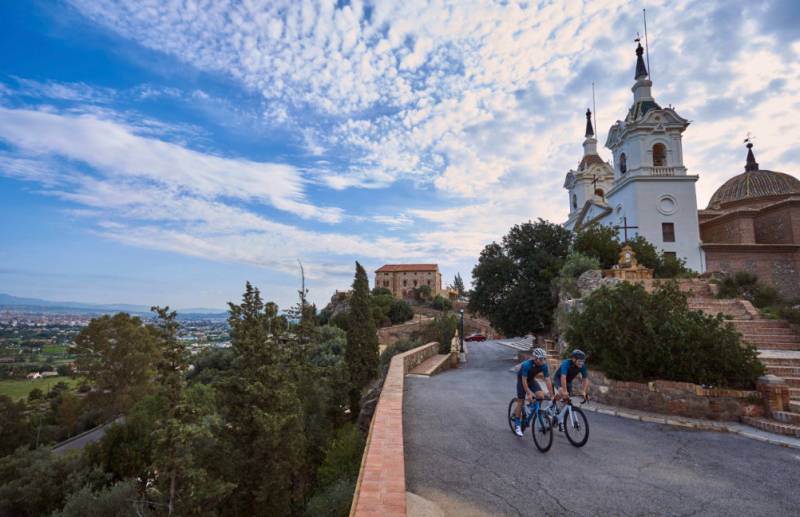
point(381, 486)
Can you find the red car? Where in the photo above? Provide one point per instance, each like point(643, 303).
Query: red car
point(475, 337)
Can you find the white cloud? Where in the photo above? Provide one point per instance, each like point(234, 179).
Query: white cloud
point(480, 104)
point(439, 74)
point(116, 151)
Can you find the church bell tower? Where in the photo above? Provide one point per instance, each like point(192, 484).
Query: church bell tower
point(649, 188)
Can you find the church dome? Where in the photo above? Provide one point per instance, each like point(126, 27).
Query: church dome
point(754, 183)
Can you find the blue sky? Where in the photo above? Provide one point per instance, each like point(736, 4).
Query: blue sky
point(166, 152)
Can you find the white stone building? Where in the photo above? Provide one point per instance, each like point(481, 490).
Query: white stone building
point(648, 189)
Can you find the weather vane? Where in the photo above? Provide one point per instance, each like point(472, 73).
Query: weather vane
point(749, 138)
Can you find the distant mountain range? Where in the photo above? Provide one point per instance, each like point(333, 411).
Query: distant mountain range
point(36, 304)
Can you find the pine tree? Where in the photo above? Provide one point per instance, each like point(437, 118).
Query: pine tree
point(184, 483)
point(361, 353)
point(458, 284)
point(262, 430)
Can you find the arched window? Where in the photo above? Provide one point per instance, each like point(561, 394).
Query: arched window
point(574, 201)
point(623, 163)
point(659, 155)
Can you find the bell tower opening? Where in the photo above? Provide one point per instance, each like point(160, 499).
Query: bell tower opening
point(659, 155)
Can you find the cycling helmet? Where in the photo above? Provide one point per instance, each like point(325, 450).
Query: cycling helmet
point(538, 353)
point(579, 355)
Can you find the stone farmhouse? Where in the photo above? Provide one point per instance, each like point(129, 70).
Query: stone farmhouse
point(401, 279)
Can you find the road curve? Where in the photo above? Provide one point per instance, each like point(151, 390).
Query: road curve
point(461, 454)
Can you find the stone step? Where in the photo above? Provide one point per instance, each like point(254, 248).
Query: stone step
point(787, 417)
point(789, 347)
point(772, 426)
point(784, 371)
point(794, 406)
point(792, 382)
point(779, 362)
point(734, 312)
point(758, 339)
point(432, 365)
point(760, 331)
point(794, 393)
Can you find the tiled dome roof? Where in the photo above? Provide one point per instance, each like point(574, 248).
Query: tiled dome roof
point(590, 159)
point(754, 184)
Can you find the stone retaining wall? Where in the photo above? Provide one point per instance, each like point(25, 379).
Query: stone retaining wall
point(670, 397)
point(381, 486)
point(676, 398)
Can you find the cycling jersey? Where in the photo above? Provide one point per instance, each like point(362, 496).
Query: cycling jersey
point(530, 370)
point(571, 370)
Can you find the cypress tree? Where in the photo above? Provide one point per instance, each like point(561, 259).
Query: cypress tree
point(361, 353)
point(262, 430)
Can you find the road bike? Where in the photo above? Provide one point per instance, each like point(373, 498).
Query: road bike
point(532, 412)
point(576, 426)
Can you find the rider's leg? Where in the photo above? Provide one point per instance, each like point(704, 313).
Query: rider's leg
point(520, 400)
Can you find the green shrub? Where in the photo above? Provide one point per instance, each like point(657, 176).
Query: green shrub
point(343, 456)
point(744, 284)
point(422, 293)
point(333, 500)
point(398, 347)
point(377, 291)
point(646, 254)
point(577, 263)
point(116, 500)
point(672, 267)
point(635, 336)
point(400, 312)
point(441, 303)
point(790, 314)
point(598, 241)
point(442, 329)
point(35, 394)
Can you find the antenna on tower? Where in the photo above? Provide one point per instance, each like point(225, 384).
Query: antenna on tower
point(594, 109)
point(646, 45)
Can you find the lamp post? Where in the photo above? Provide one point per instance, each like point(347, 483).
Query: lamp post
point(461, 332)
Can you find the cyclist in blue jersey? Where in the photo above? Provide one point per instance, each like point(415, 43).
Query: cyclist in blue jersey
point(527, 385)
point(566, 373)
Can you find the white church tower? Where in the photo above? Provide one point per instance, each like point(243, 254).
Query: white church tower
point(588, 184)
point(651, 193)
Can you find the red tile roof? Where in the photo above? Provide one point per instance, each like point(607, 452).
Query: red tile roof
point(394, 268)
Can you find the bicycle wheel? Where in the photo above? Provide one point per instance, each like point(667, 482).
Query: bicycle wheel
point(512, 414)
point(576, 428)
point(542, 433)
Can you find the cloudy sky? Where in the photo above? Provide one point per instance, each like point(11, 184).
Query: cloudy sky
point(156, 151)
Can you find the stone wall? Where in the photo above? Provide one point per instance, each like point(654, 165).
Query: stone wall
point(777, 265)
point(381, 486)
point(676, 398)
point(388, 335)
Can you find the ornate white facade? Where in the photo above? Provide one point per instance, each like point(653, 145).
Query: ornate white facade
point(648, 187)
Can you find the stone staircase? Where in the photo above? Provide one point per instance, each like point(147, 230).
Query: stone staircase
point(777, 342)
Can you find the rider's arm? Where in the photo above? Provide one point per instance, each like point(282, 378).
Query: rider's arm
point(550, 386)
point(525, 386)
point(585, 377)
point(564, 385)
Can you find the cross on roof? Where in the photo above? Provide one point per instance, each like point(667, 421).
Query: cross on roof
point(625, 228)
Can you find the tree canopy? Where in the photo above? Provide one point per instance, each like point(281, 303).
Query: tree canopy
point(361, 354)
point(511, 282)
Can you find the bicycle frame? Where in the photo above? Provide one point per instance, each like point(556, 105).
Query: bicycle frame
point(529, 410)
point(566, 410)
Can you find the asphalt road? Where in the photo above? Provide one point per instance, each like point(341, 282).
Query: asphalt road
point(461, 454)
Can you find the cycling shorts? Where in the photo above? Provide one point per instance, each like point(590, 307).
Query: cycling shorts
point(538, 386)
